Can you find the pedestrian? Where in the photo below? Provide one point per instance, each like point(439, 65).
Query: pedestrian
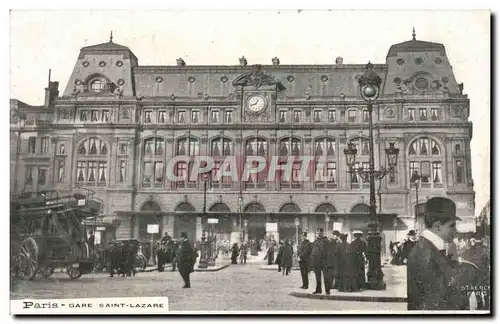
point(234, 253)
point(317, 258)
point(304, 253)
point(270, 255)
point(479, 256)
point(278, 255)
point(336, 272)
point(286, 257)
point(186, 259)
point(408, 246)
point(358, 247)
point(91, 244)
point(345, 267)
point(243, 253)
point(431, 280)
point(329, 263)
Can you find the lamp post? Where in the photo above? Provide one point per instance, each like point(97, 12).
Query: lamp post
point(245, 223)
point(240, 207)
point(22, 120)
point(327, 222)
point(369, 86)
point(415, 178)
point(203, 246)
point(297, 224)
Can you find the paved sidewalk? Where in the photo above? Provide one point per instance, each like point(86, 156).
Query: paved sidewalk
point(394, 278)
point(273, 267)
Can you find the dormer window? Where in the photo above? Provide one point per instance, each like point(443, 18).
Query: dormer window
point(97, 85)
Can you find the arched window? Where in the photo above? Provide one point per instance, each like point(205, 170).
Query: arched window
point(220, 148)
point(362, 146)
point(153, 167)
point(325, 173)
point(189, 146)
point(290, 146)
point(425, 159)
point(92, 162)
point(256, 146)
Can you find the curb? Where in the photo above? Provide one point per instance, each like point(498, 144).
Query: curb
point(212, 269)
point(381, 299)
point(275, 269)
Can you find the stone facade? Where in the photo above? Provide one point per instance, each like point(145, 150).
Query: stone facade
point(117, 124)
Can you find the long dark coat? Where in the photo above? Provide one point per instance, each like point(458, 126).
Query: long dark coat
point(345, 268)
point(279, 254)
point(358, 248)
point(186, 257)
point(433, 279)
point(270, 255)
point(305, 250)
point(318, 253)
point(286, 256)
point(330, 255)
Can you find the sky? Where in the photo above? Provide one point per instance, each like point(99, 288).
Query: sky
point(43, 40)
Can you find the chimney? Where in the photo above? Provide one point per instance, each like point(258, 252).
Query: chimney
point(276, 61)
point(180, 62)
point(339, 61)
point(51, 93)
point(243, 61)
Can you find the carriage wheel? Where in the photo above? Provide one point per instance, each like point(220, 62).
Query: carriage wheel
point(28, 259)
point(47, 272)
point(73, 273)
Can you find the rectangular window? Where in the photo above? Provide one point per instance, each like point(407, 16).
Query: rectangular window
point(94, 115)
point(411, 114)
point(181, 171)
point(181, 117)
point(282, 116)
point(423, 113)
point(195, 116)
point(319, 173)
point(83, 115)
point(434, 114)
point(42, 176)
point(29, 176)
point(317, 116)
point(121, 176)
point(105, 116)
point(92, 172)
point(228, 118)
point(162, 116)
point(458, 148)
point(366, 116)
point(81, 171)
point(425, 168)
point(351, 116)
point(215, 116)
point(103, 167)
point(459, 169)
point(60, 171)
point(62, 149)
point(437, 175)
point(331, 175)
point(331, 115)
point(45, 145)
point(159, 172)
point(123, 147)
point(147, 116)
point(297, 116)
point(31, 144)
point(148, 170)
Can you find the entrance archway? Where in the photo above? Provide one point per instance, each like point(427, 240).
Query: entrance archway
point(326, 208)
point(183, 222)
point(223, 228)
point(256, 227)
point(286, 226)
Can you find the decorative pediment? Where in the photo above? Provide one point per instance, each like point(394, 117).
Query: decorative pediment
point(257, 78)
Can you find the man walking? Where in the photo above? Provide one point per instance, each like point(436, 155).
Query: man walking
point(304, 256)
point(430, 272)
point(317, 258)
point(186, 259)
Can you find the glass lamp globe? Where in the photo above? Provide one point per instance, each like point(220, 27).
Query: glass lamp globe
point(369, 91)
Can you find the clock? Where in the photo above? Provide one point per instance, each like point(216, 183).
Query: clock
point(256, 103)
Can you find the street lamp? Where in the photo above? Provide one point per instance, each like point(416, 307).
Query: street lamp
point(327, 222)
point(369, 87)
point(22, 121)
point(240, 209)
point(415, 178)
point(297, 224)
point(245, 223)
point(203, 245)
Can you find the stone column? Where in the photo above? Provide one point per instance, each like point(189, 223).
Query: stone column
point(168, 225)
point(199, 228)
point(135, 226)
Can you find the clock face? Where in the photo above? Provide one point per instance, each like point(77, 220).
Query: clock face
point(256, 103)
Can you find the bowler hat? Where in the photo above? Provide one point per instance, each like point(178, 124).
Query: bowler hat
point(412, 233)
point(319, 231)
point(440, 209)
point(357, 233)
point(336, 233)
point(184, 235)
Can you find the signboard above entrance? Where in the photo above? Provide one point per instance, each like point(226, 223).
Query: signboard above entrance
point(153, 228)
point(271, 227)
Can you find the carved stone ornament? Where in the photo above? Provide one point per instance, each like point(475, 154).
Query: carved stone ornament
point(125, 113)
point(390, 113)
point(64, 113)
point(257, 79)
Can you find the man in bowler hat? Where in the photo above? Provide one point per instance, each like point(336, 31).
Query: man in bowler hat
point(317, 258)
point(186, 259)
point(304, 256)
point(430, 273)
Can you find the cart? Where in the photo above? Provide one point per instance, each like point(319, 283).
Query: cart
point(47, 232)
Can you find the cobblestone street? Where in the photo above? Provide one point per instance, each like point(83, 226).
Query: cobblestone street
point(236, 288)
